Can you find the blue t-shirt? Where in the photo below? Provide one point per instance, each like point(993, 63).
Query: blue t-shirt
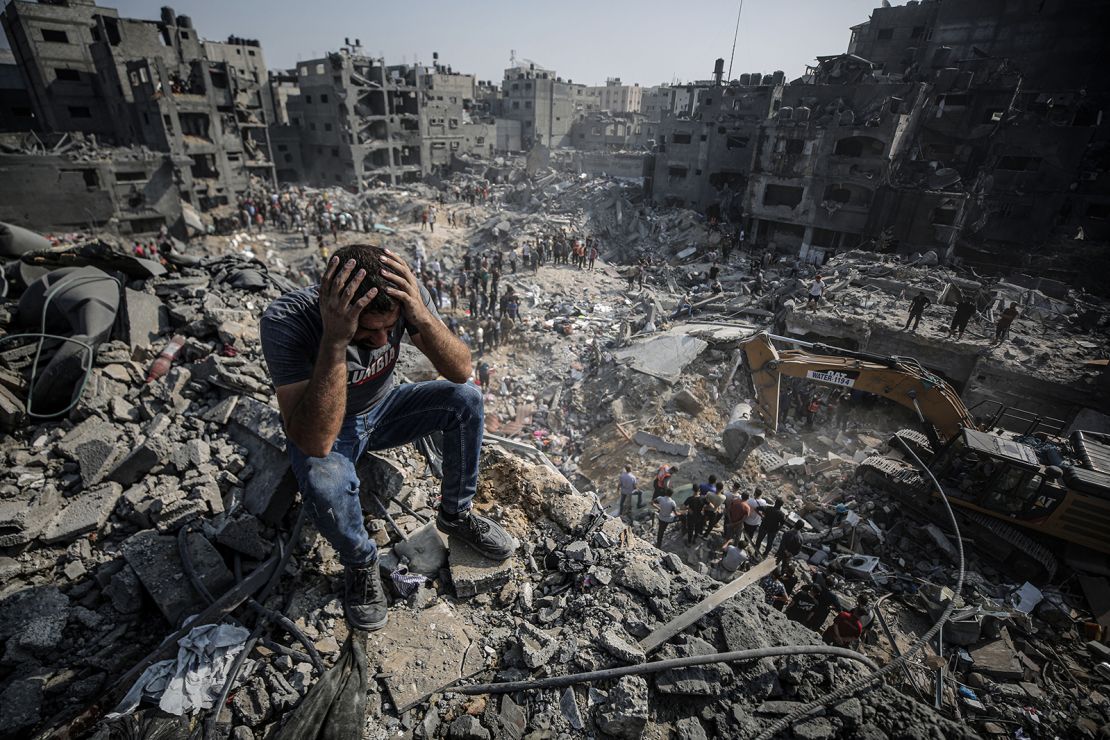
point(291, 330)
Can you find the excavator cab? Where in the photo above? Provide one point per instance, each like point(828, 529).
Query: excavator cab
point(997, 475)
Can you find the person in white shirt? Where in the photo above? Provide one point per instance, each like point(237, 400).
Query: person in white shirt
point(665, 508)
point(816, 290)
point(626, 485)
point(753, 520)
point(731, 560)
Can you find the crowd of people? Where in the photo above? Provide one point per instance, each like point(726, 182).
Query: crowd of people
point(743, 528)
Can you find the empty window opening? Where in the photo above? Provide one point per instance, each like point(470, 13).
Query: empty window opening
point(55, 37)
point(782, 195)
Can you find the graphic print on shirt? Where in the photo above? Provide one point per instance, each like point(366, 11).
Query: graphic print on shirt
point(380, 362)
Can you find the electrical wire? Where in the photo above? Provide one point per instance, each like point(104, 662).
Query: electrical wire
point(865, 682)
point(555, 682)
point(42, 336)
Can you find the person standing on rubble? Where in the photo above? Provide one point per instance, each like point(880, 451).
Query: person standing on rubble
point(754, 519)
point(626, 487)
point(663, 479)
point(593, 255)
point(432, 219)
point(714, 508)
point(331, 351)
point(1002, 328)
point(665, 514)
point(695, 515)
point(791, 543)
point(773, 519)
point(816, 291)
point(965, 309)
point(736, 511)
point(917, 309)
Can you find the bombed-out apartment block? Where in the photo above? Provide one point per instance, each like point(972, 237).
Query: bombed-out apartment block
point(546, 105)
point(148, 83)
point(361, 121)
point(962, 127)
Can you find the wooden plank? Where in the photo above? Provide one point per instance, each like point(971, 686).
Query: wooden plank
point(656, 639)
point(1097, 591)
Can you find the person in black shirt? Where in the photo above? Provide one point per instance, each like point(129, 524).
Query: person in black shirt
point(917, 308)
point(791, 543)
point(695, 515)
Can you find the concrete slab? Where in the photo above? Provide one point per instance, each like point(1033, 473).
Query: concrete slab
point(421, 652)
point(22, 519)
point(425, 550)
point(157, 563)
point(257, 426)
point(144, 318)
point(94, 446)
point(473, 573)
point(86, 512)
point(998, 658)
point(654, 442)
point(664, 356)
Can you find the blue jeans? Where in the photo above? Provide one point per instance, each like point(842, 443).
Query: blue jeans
point(330, 485)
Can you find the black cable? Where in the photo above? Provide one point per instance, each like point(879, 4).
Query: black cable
point(554, 682)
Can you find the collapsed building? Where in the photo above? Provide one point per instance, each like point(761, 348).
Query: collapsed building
point(360, 121)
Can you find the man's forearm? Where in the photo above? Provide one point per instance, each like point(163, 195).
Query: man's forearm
point(315, 422)
point(447, 353)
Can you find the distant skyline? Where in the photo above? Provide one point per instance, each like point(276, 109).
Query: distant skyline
point(644, 41)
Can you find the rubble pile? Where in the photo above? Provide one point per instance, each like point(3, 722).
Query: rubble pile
point(160, 494)
point(1072, 335)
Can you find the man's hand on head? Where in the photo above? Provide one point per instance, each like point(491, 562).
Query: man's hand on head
point(339, 311)
point(405, 289)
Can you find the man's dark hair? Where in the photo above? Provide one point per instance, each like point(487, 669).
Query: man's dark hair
point(368, 257)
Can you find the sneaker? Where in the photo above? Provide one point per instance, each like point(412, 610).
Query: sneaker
point(363, 598)
point(482, 534)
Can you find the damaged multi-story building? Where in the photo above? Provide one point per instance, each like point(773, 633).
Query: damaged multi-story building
point(948, 126)
point(148, 83)
point(545, 104)
point(362, 121)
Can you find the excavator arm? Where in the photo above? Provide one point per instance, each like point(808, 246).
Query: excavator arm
point(902, 380)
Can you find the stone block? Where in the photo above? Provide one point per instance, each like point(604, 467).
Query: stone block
point(86, 512)
point(244, 535)
point(144, 318)
point(20, 705)
point(22, 519)
point(34, 618)
point(157, 563)
point(154, 450)
point(425, 550)
point(536, 646)
point(380, 476)
point(94, 446)
point(626, 713)
point(473, 573)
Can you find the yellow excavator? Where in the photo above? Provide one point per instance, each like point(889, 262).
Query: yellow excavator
point(1006, 484)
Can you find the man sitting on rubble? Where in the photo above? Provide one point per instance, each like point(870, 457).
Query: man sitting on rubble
point(331, 350)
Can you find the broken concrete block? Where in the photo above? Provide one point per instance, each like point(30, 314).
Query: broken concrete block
point(176, 514)
point(536, 646)
point(425, 550)
point(615, 642)
point(125, 591)
point(467, 727)
point(688, 402)
point(626, 713)
point(244, 535)
point(34, 618)
point(654, 442)
point(12, 410)
point(380, 476)
point(144, 318)
point(93, 445)
point(642, 577)
point(473, 573)
point(86, 512)
point(269, 492)
point(21, 704)
point(571, 511)
point(157, 563)
point(23, 519)
point(154, 450)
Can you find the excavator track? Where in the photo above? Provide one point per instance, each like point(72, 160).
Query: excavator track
point(1021, 546)
point(913, 439)
point(1026, 557)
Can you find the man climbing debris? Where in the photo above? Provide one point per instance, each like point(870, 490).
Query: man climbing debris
point(331, 350)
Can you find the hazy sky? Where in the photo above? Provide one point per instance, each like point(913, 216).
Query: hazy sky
point(645, 41)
